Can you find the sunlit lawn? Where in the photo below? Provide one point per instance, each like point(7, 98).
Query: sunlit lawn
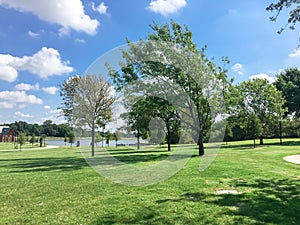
point(57, 187)
point(15, 146)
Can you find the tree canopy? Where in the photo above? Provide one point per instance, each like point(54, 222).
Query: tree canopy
point(288, 82)
point(67, 91)
point(92, 102)
point(170, 53)
point(147, 108)
point(259, 101)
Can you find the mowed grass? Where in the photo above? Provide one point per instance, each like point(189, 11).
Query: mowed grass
point(16, 147)
point(56, 186)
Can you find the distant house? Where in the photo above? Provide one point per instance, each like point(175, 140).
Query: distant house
point(7, 134)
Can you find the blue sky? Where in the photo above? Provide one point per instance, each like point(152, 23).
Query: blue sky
point(42, 43)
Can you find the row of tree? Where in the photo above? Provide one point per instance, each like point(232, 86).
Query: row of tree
point(256, 108)
point(166, 76)
point(47, 128)
point(273, 108)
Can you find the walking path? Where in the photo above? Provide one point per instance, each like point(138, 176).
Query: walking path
point(29, 149)
point(293, 159)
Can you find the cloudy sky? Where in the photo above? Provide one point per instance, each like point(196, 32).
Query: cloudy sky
point(43, 42)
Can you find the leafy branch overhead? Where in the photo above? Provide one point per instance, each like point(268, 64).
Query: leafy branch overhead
point(294, 13)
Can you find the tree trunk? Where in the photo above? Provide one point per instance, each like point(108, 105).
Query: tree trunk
point(261, 140)
point(200, 144)
point(168, 138)
point(93, 138)
point(102, 135)
point(253, 142)
point(138, 139)
point(280, 132)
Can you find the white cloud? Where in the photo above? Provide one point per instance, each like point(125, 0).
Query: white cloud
point(7, 72)
point(296, 53)
point(46, 62)
point(57, 112)
point(10, 99)
point(6, 105)
point(50, 90)
point(263, 76)
point(22, 115)
point(47, 107)
point(27, 87)
point(78, 40)
point(238, 68)
point(66, 13)
point(56, 116)
point(101, 8)
point(166, 7)
point(33, 34)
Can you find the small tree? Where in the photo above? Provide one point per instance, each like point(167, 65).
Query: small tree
point(71, 138)
point(65, 140)
point(32, 139)
point(98, 138)
point(92, 103)
point(254, 127)
point(117, 136)
point(109, 136)
point(228, 133)
point(41, 141)
point(44, 139)
point(102, 136)
point(22, 139)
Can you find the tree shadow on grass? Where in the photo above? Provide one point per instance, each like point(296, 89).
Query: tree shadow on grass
point(194, 197)
point(269, 201)
point(131, 151)
point(44, 164)
point(239, 147)
point(141, 215)
point(136, 158)
point(285, 142)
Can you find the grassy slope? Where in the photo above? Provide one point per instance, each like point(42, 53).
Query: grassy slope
point(57, 187)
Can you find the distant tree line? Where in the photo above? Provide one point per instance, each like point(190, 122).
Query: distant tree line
point(47, 128)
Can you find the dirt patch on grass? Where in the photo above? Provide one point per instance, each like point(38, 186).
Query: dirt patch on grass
point(293, 159)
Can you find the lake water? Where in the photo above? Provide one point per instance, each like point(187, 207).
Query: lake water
point(87, 142)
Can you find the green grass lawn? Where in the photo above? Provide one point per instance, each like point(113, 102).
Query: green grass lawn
point(12, 146)
point(56, 186)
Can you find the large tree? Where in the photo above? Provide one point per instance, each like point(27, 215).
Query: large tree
point(260, 98)
point(288, 82)
point(294, 12)
point(170, 52)
point(92, 102)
